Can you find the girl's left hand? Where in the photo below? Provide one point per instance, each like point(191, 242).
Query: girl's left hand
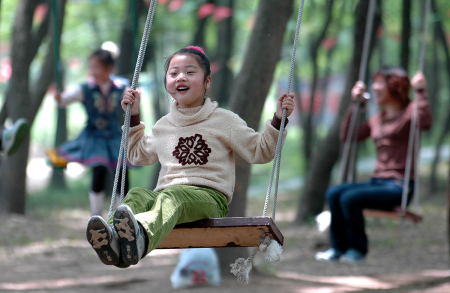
point(286, 101)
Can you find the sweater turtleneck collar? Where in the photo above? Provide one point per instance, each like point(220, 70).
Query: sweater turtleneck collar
point(188, 116)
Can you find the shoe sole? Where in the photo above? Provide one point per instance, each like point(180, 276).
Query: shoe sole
point(126, 229)
point(99, 238)
point(18, 137)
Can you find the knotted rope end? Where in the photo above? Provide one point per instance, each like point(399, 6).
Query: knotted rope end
point(241, 269)
point(274, 251)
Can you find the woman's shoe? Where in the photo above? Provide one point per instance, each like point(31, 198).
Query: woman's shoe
point(329, 255)
point(353, 256)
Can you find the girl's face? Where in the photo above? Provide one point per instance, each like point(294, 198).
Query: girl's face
point(185, 81)
point(380, 90)
point(99, 71)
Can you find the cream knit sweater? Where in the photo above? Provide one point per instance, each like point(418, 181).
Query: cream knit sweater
point(196, 146)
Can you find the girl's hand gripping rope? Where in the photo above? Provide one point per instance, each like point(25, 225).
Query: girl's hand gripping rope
point(286, 101)
point(133, 98)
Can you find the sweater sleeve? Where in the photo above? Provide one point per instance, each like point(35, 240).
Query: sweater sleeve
point(363, 128)
point(71, 96)
point(254, 147)
point(141, 147)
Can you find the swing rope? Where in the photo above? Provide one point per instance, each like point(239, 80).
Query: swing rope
point(356, 109)
point(126, 126)
point(277, 159)
point(414, 133)
point(272, 248)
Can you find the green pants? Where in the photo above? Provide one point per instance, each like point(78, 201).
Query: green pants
point(158, 212)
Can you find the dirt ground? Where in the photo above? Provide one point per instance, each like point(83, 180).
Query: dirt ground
point(50, 254)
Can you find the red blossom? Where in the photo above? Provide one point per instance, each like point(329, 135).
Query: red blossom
point(175, 5)
point(205, 10)
point(222, 12)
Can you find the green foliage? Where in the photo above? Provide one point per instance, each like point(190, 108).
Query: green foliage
point(90, 23)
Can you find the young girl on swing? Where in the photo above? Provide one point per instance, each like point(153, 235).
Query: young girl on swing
point(99, 142)
point(195, 144)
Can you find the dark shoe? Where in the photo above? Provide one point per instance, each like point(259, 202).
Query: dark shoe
point(104, 239)
point(353, 256)
point(329, 255)
point(132, 241)
point(13, 137)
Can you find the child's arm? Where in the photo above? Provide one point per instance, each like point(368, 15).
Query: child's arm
point(141, 151)
point(66, 98)
point(259, 148)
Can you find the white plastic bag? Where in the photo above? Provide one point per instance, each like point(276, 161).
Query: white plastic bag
point(196, 266)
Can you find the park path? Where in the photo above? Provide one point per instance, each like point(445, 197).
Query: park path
point(63, 261)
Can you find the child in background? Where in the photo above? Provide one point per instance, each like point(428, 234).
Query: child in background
point(99, 143)
point(196, 145)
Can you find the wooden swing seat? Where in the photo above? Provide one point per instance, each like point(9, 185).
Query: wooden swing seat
point(396, 213)
point(222, 232)
point(55, 160)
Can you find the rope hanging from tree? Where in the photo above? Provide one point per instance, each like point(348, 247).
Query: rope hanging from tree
point(241, 268)
point(355, 113)
point(126, 125)
point(414, 133)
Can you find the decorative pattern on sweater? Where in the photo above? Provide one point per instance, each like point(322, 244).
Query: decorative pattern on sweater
point(192, 150)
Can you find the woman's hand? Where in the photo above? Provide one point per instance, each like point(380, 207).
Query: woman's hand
point(286, 101)
point(358, 90)
point(131, 97)
point(419, 82)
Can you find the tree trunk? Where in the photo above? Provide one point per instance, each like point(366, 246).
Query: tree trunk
point(249, 94)
point(199, 36)
point(446, 126)
point(313, 195)
point(448, 206)
point(309, 128)
point(58, 179)
point(24, 104)
point(129, 42)
point(406, 34)
point(223, 78)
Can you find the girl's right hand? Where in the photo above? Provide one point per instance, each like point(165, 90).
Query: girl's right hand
point(133, 98)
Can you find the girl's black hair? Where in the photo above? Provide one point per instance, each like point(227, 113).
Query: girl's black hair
point(198, 55)
point(104, 56)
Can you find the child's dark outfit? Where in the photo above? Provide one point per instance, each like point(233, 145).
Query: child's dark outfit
point(98, 144)
point(196, 149)
point(384, 190)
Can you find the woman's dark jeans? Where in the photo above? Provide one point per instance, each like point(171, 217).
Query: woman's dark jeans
point(347, 201)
